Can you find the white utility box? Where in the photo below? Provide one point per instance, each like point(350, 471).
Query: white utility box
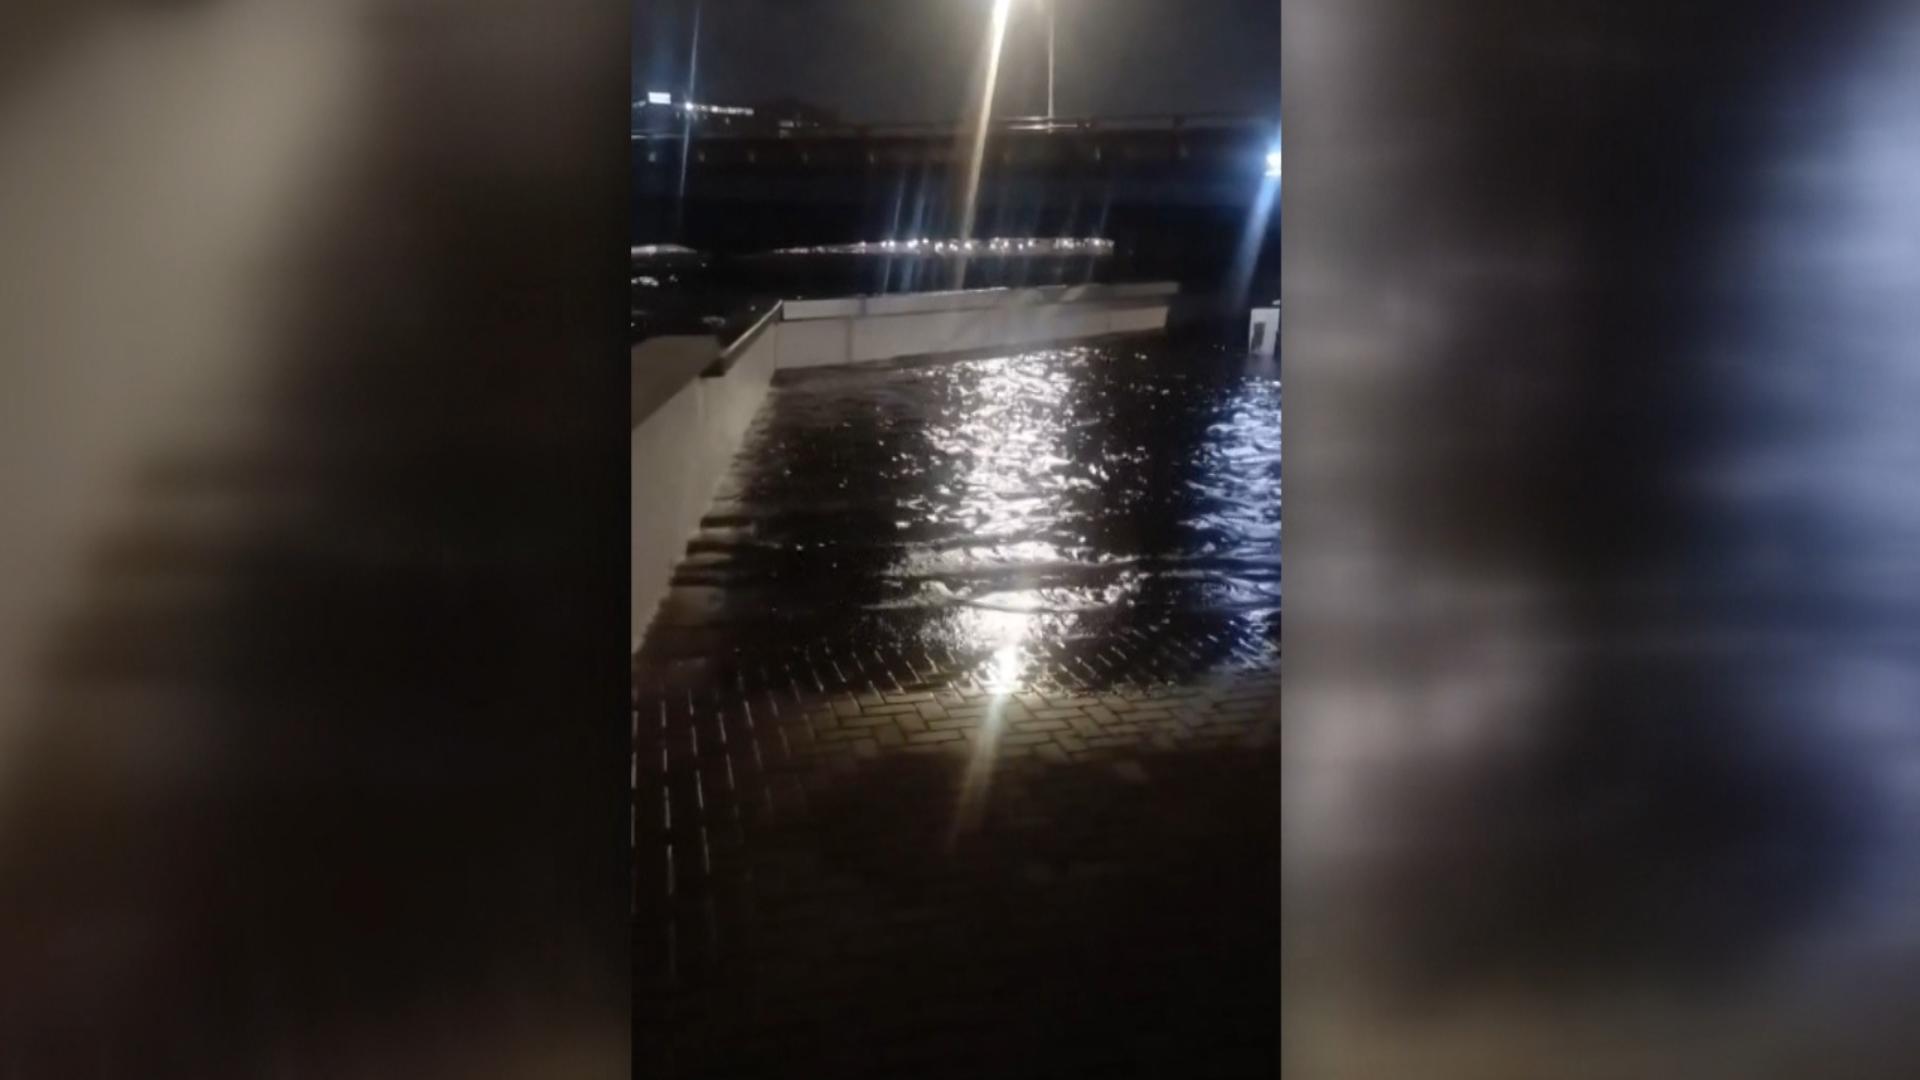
point(1263, 335)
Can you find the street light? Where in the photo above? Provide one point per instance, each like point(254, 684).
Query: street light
point(1047, 6)
point(1259, 217)
point(1052, 27)
point(686, 135)
point(996, 41)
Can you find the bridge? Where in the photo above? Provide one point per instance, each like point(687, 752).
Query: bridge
point(1177, 194)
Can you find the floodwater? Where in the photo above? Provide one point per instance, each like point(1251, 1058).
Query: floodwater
point(1000, 506)
point(967, 687)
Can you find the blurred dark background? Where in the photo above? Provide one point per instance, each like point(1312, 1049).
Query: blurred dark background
point(314, 730)
point(1601, 755)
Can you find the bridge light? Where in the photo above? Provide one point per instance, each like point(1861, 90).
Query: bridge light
point(1273, 165)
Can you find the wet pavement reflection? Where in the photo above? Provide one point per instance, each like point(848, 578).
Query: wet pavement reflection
point(957, 740)
point(1037, 500)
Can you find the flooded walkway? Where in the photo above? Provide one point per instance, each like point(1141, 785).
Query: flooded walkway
point(957, 738)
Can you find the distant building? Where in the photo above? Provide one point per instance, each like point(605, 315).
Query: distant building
point(787, 114)
point(661, 112)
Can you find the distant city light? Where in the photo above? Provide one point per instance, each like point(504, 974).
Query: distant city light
point(645, 251)
point(1273, 165)
point(1006, 246)
point(662, 97)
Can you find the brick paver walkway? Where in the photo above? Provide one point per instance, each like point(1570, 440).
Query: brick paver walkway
point(865, 849)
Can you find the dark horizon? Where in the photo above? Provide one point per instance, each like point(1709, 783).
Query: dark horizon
point(908, 61)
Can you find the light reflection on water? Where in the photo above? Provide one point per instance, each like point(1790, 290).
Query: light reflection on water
point(986, 505)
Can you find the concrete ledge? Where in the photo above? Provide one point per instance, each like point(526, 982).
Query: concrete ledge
point(745, 342)
point(800, 310)
point(973, 300)
point(683, 445)
point(817, 333)
point(659, 368)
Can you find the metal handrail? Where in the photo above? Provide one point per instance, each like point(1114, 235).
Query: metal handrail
point(729, 355)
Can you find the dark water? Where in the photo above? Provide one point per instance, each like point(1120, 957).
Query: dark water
point(694, 293)
point(1002, 506)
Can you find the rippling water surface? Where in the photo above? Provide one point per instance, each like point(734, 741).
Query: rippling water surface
point(1006, 505)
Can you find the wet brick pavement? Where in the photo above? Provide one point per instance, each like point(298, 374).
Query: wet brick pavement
point(957, 743)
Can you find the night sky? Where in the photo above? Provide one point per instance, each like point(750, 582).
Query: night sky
point(914, 60)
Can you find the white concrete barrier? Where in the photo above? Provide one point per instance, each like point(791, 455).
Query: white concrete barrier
point(812, 344)
point(816, 333)
point(1263, 331)
point(681, 450)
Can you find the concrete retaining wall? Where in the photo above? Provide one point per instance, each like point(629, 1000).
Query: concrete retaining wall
point(680, 452)
point(816, 333)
